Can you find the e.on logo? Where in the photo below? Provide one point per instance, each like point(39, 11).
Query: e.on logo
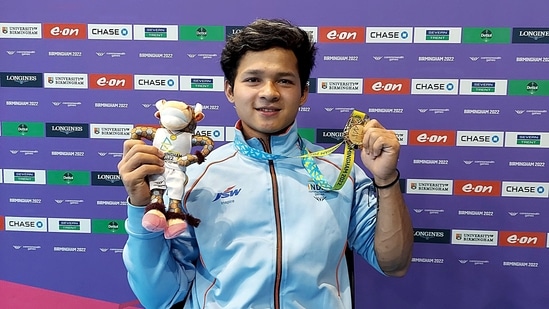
point(386, 86)
point(341, 34)
point(111, 81)
point(431, 138)
point(65, 31)
point(477, 187)
point(522, 239)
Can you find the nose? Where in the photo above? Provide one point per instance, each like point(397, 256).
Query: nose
point(269, 92)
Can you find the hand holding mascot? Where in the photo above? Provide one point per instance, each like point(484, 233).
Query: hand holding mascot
point(175, 138)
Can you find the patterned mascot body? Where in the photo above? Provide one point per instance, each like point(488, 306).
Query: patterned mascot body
point(175, 138)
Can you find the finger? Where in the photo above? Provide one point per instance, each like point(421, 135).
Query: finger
point(373, 123)
point(133, 146)
point(136, 159)
point(129, 144)
point(376, 140)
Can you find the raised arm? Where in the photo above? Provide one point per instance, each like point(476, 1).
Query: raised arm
point(159, 270)
point(394, 238)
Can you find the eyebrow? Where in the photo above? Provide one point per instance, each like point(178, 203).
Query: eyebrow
point(261, 72)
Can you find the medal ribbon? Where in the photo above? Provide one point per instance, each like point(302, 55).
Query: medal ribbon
point(307, 157)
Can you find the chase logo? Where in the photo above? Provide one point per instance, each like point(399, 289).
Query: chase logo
point(215, 133)
point(26, 224)
point(156, 82)
point(109, 32)
point(435, 86)
point(227, 193)
point(31, 80)
point(531, 35)
point(389, 35)
point(525, 189)
point(479, 139)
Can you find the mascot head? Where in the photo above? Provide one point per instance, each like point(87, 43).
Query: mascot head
point(177, 115)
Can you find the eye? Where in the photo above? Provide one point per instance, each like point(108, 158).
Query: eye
point(286, 81)
point(251, 80)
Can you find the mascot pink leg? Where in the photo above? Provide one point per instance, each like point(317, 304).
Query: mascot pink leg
point(154, 219)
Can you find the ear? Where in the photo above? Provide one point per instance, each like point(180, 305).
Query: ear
point(160, 104)
point(157, 115)
point(229, 93)
point(198, 117)
point(304, 96)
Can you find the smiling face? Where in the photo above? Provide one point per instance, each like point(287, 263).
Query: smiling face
point(267, 92)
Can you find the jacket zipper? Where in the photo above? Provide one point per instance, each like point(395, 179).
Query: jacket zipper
point(276, 205)
point(276, 208)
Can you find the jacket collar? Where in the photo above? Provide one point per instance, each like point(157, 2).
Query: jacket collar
point(286, 144)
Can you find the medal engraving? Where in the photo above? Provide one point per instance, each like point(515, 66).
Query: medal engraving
point(356, 134)
point(353, 133)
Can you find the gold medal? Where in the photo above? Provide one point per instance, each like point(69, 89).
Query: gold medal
point(353, 133)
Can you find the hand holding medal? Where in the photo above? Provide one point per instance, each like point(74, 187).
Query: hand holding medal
point(379, 148)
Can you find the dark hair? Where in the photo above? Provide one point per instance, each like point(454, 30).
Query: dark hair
point(263, 34)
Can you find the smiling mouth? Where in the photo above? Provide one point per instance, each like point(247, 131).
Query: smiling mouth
point(268, 109)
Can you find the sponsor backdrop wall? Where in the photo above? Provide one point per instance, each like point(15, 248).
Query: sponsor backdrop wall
point(465, 85)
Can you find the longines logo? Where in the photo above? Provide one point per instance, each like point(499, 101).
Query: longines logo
point(77, 130)
point(33, 80)
point(432, 236)
point(232, 30)
point(329, 136)
point(106, 179)
point(531, 35)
